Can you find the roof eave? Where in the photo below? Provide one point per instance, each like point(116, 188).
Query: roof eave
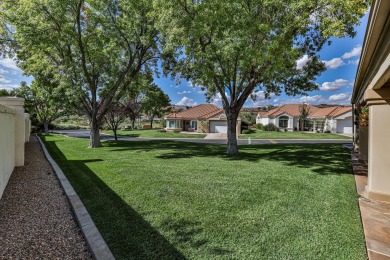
point(376, 22)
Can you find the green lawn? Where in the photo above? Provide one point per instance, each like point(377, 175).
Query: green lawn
point(153, 133)
point(172, 200)
point(291, 135)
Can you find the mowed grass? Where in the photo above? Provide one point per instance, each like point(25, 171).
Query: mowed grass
point(153, 133)
point(291, 135)
point(172, 200)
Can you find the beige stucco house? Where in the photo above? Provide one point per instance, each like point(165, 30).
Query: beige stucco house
point(205, 118)
point(372, 89)
point(335, 119)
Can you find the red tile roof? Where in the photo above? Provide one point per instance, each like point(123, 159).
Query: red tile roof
point(321, 112)
point(340, 110)
point(295, 110)
point(203, 111)
point(290, 109)
point(262, 113)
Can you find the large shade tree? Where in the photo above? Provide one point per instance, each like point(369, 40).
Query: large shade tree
point(235, 48)
point(154, 101)
point(94, 48)
point(44, 100)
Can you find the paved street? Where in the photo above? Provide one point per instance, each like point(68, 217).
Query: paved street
point(85, 134)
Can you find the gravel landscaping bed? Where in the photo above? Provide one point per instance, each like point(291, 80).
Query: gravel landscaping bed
point(36, 221)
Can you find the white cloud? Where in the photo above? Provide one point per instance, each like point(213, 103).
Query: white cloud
point(334, 85)
point(185, 101)
point(8, 86)
point(218, 98)
point(312, 99)
point(258, 98)
point(3, 71)
point(302, 61)
point(184, 92)
point(201, 91)
point(9, 63)
point(4, 80)
point(334, 63)
point(291, 101)
point(339, 97)
point(354, 62)
point(259, 95)
point(353, 53)
point(191, 84)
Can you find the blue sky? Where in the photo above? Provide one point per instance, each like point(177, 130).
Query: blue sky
point(336, 83)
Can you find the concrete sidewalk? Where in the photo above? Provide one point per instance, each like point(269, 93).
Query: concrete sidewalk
point(216, 136)
point(375, 215)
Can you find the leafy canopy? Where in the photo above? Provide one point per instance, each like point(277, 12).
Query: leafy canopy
point(94, 48)
point(233, 47)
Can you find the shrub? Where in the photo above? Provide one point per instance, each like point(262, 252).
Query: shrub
point(244, 125)
point(161, 130)
point(248, 131)
point(163, 123)
point(176, 131)
point(270, 127)
point(285, 130)
point(69, 127)
point(259, 126)
point(34, 129)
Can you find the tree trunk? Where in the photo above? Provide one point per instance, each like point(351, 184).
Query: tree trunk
point(132, 124)
point(114, 129)
point(151, 122)
point(46, 127)
point(94, 138)
point(232, 148)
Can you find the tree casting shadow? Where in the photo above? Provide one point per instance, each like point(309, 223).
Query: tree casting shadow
point(324, 159)
point(126, 232)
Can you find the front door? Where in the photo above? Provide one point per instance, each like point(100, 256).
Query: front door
point(187, 124)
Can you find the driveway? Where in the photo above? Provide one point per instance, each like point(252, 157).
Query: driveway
point(216, 136)
point(216, 140)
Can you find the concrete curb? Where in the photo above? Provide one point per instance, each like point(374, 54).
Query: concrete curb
point(93, 238)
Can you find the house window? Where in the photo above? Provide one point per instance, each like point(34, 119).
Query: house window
point(178, 124)
point(171, 124)
point(283, 121)
point(194, 125)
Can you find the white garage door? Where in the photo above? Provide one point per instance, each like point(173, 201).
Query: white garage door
point(218, 127)
point(344, 125)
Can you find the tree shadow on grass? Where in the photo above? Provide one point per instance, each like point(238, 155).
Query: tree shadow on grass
point(126, 232)
point(325, 159)
point(128, 135)
point(185, 232)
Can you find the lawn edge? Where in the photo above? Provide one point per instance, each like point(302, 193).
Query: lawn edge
point(95, 241)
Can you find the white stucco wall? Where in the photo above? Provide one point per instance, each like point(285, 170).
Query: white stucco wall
point(330, 125)
point(27, 127)
point(17, 105)
point(344, 125)
point(265, 121)
point(296, 122)
point(7, 145)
